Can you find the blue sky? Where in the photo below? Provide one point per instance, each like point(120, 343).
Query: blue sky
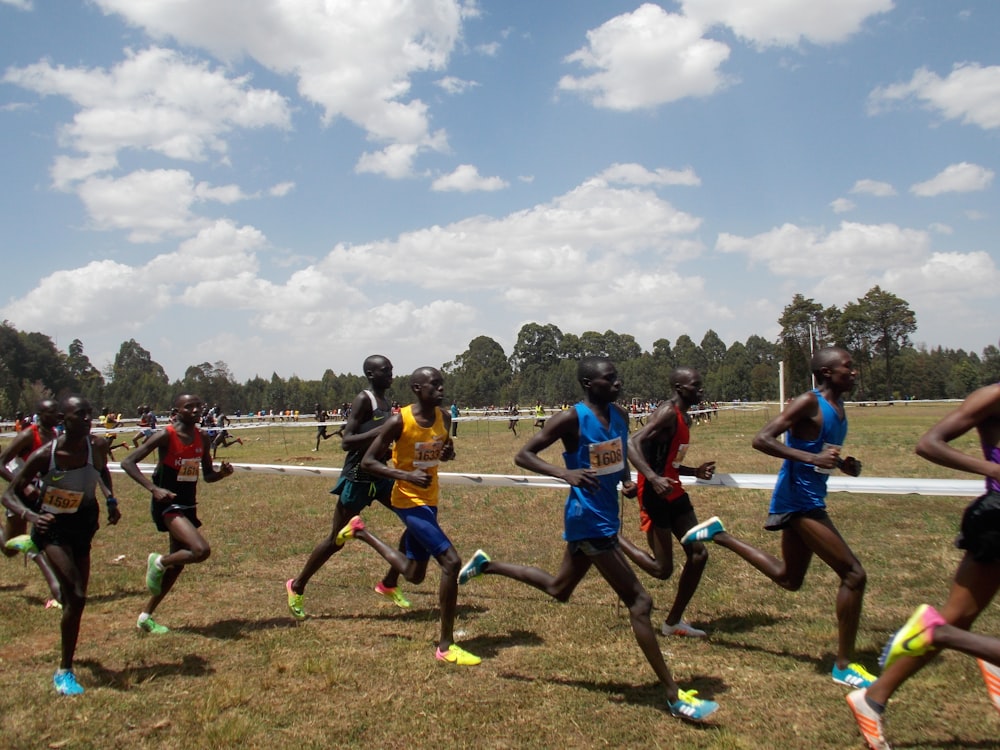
point(291, 186)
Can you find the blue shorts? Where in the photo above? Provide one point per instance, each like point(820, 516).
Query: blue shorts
point(424, 537)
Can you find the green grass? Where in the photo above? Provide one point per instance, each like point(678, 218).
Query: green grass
point(237, 671)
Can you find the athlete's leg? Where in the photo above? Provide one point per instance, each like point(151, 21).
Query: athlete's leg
point(559, 586)
point(696, 557)
point(73, 572)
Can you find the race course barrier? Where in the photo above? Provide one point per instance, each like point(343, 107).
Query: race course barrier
point(859, 485)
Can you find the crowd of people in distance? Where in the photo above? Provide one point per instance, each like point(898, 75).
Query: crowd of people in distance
point(57, 472)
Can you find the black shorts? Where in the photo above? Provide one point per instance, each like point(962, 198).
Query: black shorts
point(980, 530)
point(663, 512)
point(160, 511)
point(779, 521)
point(594, 547)
point(74, 531)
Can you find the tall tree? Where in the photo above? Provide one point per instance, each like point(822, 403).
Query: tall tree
point(803, 329)
point(90, 382)
point(891, 321)
point(136, 379)
point(480, 375)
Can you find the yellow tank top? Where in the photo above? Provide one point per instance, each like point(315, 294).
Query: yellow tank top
point(418, 448)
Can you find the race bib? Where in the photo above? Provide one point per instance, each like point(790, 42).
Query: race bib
point(57, 501)
point(607, 457)
point(188, 470)
point(428, 453)
point(679, 458)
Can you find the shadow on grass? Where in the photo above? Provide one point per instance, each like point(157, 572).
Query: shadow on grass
point(651, 695)
point(190, 665)
point(742, 623)
point(821, 663)
point(395, 613)
point(234, 630)
point(489, 646)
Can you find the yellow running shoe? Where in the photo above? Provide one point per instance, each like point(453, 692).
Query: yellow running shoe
point(394, 595)
point(459, 656)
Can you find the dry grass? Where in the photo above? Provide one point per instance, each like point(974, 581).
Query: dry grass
point(237, 671)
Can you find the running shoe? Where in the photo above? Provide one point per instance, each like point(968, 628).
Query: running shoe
point(474, 567)
point(149, 625)
point(869, 720)
point(683, 628)
point(154, 574)
point(65, 682)
point(22, 543)
point(991, 674)
point(53, 604)
point(853, 675)
point(353, 526)
point(915, 638)
point(456, 655)
point(394, 595)
point(687, 706)
point(704, 531)
point(295, 601)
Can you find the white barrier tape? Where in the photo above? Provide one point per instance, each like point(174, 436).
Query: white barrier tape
point(862, 485)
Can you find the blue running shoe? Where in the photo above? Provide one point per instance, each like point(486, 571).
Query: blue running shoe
point(65, 682)
point(687, 706)
point(853, 675)
point(704, 531)
point(474, 567)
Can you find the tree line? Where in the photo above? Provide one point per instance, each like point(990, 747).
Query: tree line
point(875, 328)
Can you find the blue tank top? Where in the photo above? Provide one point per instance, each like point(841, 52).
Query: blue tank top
point(593, 514)
point(800, 486)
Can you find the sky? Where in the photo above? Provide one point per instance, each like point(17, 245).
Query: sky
point(288, 186)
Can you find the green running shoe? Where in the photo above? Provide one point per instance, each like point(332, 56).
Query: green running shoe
point(22, 543)
point(149, 625)
point(295, 601)
point(353, 526)
point(915, 638)
point(456, 655)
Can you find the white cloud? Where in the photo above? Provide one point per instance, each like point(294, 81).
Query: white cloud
point(790, 250)
point(970, 93)
point(955, 178)
point(155, 99)
point(491, 49)
point(787, 22)
point(466, 179)
point(636, 174)
point(873, 187)
point(19, 4)
point(842, 205)
point(454, 85)
point(939, 228)
point(281, 189)
point(353, 59)
point(647, 58)
point(148, 204)
point(395, 161)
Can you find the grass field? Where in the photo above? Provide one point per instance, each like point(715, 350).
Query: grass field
point(236, 670)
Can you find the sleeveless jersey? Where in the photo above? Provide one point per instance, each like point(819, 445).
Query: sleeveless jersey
point(665, 460)
point(593, 514)
point(352, 470)
point(70, 491)
point(180, 466)
point(418, 448)
point(800, 486)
